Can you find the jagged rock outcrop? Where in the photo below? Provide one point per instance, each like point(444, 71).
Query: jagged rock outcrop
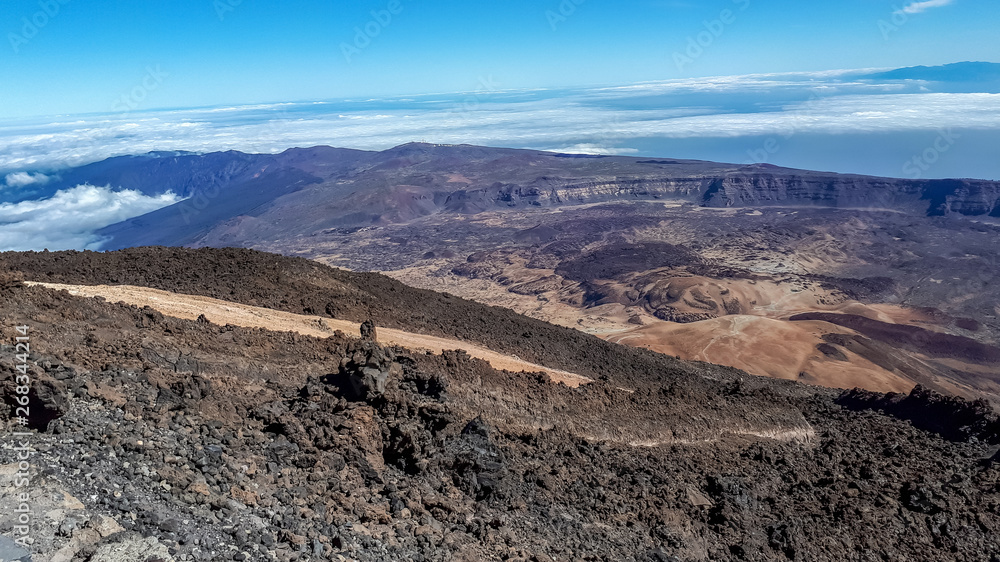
point(952, 417)
point(368, 332)
point(930, 197)
point(366, 368)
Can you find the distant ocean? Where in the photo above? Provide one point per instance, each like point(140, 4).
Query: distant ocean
point(846, 121)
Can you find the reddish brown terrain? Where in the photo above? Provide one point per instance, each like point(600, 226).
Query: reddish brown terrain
point(700, 260)
point(735, 297)
point(166, 437)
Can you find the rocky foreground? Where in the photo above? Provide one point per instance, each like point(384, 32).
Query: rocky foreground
point(166, 439)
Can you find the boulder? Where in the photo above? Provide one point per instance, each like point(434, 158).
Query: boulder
point(366, 370)
point(132, 548)
point(368, 332)
point(10, 550)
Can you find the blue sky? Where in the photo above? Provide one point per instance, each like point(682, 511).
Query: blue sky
point(73, 56)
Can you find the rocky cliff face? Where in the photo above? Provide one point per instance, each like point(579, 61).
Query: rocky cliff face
point(966, 197)
point(747, 188)
point(552, 192)
point(931, 197)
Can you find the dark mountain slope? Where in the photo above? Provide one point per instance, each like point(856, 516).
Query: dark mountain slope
point(306, 287)
point(190, 220)
point(954, 72)
point(183, 173)
point(307, 192)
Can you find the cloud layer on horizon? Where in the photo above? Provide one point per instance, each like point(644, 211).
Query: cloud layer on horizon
point(597, 120)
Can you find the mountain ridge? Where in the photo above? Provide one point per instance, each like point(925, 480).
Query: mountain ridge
point(966, 71)
point(306, 191)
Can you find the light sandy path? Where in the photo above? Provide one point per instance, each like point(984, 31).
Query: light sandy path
point(189, 307)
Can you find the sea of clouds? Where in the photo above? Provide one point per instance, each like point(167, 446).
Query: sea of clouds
point(833, 121)
point(68, 219)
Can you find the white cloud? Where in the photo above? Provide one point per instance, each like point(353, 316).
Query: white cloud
point(841, 114)
point(919, 7)
point(594, 149)
point(21, 179)
point(69, 218)
point(610, 119)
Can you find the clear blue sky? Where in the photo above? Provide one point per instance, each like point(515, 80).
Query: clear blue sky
point(89, 54)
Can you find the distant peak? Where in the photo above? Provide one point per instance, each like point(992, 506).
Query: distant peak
point(413, 144)
point(428, 145)
point(967, 71)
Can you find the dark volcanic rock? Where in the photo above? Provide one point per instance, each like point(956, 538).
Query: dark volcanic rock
point(289, 284)
point(952, 417)
point(831, 351)
point(617, 259)
point(921, 498)
point(368, 332)
point(252, 450)
point(366, 369)
point(477, 462)
point(46, 399)
point(914, 338)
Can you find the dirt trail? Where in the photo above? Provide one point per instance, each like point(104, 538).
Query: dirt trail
point(224, 312)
